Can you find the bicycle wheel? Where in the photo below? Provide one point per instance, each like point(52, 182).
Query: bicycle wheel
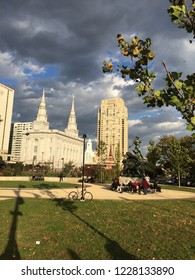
point(73, 195)
point(88, 196)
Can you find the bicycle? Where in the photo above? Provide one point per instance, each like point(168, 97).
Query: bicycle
point(75, 195)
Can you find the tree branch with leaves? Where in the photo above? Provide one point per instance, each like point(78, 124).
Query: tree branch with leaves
point(177, 92)
point(182, 12)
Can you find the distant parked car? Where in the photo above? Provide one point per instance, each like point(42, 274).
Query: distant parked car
point(192, 182)
point(161, 181)
point(169, 181)
point(187, 182)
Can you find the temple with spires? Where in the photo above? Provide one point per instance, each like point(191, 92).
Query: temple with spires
point(42, 145)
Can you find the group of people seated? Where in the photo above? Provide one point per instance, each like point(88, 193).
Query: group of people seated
point(136, 186)
point(37, 178)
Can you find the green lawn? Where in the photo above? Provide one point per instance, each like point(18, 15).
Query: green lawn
point(35, 184)
point(103, 230)
point(177, 188)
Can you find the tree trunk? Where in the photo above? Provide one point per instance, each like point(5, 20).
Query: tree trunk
point(179, 179)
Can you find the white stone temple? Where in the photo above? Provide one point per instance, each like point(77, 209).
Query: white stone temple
point(42, 145)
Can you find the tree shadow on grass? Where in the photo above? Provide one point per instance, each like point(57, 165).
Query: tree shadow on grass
point(114, 249)
point(11, 251)
point(45, 189)
point(43, 186)
point(74, 255)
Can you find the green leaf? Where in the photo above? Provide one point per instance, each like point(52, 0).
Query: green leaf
point(176, 75)
point(177, 11)
point(140, 88)
point(178, 84)
point(153, 75)
point(174, 100)
point(193, 120)
point(189, 127)
point(157, 93)
point(189, 89)
point(183, 9)
point(148, 41)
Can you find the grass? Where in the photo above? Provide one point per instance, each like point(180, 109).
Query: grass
point(98, 230)
point(177, 188)
point(35, 184)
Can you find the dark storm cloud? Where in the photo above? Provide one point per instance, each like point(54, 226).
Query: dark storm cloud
point(73, 33)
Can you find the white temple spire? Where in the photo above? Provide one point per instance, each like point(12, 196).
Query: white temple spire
point(71, 128)
point(72, 108)
point(41, 122)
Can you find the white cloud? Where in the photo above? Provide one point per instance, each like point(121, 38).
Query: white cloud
point(8, 69)
point(170, 126)
point(33, 68)
point(134, 122)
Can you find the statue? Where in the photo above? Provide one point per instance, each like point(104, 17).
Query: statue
point(137, 143)
point(134, 161)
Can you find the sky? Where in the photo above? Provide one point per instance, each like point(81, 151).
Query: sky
point(60, 46)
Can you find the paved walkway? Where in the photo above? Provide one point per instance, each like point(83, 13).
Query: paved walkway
point(98, 191)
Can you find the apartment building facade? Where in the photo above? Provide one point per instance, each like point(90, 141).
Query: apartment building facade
point(6, 108)
point(17, 131)
point(112, 126)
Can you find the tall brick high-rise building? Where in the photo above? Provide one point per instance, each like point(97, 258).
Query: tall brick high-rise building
point(112, 126)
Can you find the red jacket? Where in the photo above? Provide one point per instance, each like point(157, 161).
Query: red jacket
point(145, 184)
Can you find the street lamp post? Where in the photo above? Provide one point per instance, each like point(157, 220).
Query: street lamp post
point(83, 173)
point(62, 163)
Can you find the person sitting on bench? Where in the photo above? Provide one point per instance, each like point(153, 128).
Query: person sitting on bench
point(156, 186)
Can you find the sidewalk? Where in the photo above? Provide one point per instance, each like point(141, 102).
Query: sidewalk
point(98, 191)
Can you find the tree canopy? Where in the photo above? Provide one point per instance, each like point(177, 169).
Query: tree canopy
point(176, 156)
point(101, 152)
